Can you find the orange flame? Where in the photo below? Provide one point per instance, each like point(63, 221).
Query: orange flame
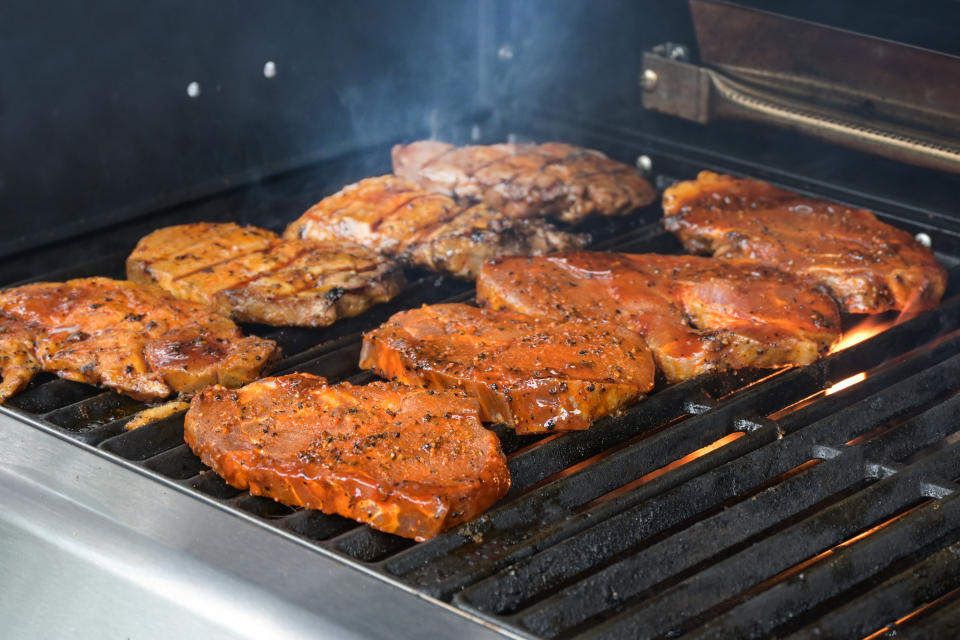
point(872, 325)
point(868, 328)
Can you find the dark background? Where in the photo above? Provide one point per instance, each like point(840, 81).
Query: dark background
point(97, 128)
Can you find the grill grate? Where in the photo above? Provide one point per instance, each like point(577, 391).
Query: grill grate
point(735, 505)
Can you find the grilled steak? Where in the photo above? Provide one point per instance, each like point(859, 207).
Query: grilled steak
point(533, 374)
point(399, 219)
point(866, 265)
point(407, 461)
point(124, 337)
point(465, 243)
point(524, 180)
point(696, 314)
point(254, 276)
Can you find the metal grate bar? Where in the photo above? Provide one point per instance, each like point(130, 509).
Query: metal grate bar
point(149, 440)
point(693, 546)
point(843, 570)
point(509, 526)
point(93, 412)
point(943, 623)
point(447, 570)
point(610, 537)
point(891, 600)
point(666, 612)
point(46, 396)
point(211, 484)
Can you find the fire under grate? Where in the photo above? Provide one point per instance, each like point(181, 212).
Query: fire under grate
point(815, 501)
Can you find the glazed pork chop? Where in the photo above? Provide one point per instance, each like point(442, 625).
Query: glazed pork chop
point(866, 265)
point(399, 219)
point(124, 337)
point(696, 314)
point(407, 461)
point(535, 375)
point(465, 243)
point(526, 180)
point(252, 275)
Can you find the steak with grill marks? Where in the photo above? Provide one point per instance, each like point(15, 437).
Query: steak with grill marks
point(866, 265)
point(407, 461)
point(399, 219)
point(524, 180)
point(696, 314)
point(123, 336)
point(254, 276)
point(533, 374)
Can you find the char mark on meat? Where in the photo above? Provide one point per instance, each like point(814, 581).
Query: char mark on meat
point(254, 276)
point(399, 219)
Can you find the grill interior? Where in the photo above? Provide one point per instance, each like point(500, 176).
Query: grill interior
point(732, 505)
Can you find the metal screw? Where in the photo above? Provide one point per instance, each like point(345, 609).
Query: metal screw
point(649, 80)
point(672, 51)
point(475, 133)
point(677, 52)
point(269, 69)
point(644, 163)
point(505, 52)
point(924, 239)
point(193, 89)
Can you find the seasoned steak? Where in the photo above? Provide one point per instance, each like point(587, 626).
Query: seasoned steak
point(122, 336)
point(254, 276)
point(696, 314)
point(524, 180)
point(535, 375)
point(399, 219)
point(866, 265)
point(406, 461)
point(465, 243)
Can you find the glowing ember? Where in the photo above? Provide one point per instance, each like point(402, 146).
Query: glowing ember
point(797, 568)
point(847, 382)
point(890, 630)
point(690, 457)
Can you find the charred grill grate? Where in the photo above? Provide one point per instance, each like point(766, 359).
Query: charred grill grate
point(742, 505)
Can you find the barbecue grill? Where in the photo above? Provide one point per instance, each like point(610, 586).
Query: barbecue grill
point(812, 501)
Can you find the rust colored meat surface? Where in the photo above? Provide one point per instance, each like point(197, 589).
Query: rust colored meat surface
point(407, 461)
point(122, 336)
point(866, 265)
point(535, 375)
point(252, 275)
point(696, 314)
point(524, 180)
point(399, 219)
